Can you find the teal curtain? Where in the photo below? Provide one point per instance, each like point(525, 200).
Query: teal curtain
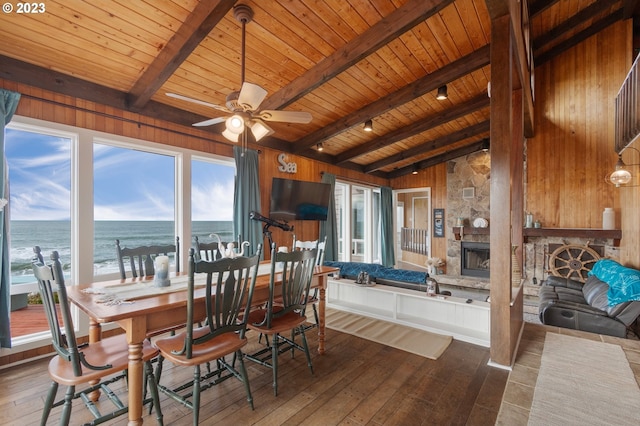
point(329, 227)
point(8, 104)
point(247, 197)
point(386, 225)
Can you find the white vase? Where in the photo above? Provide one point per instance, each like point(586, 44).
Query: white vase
point(608, 218)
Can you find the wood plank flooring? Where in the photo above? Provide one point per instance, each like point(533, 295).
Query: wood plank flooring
point(357, 382)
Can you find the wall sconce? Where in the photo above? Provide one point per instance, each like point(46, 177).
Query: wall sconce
point(368, 126)
point(622, 175)
point(319, 147)
point(442, 93)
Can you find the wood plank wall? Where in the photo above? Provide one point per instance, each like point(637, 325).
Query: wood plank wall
point(573, 148)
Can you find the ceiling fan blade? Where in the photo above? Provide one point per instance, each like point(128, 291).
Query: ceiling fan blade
point(209, 122)
point(251, 96)
point(199, 102)
point(286, 116)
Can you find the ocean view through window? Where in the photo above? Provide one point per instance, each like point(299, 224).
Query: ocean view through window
point(135, 233)
point(77, 191)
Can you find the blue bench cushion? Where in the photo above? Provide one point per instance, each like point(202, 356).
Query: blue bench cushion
point(350, 270)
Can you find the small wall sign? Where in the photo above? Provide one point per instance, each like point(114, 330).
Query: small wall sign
point(286, 167)
point(438, 223)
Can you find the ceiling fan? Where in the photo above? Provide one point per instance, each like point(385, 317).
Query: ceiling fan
point(243, 105)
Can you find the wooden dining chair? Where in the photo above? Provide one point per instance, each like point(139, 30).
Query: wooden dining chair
point(296, 270)
point(103, 362)
point(140, 259)
point(210, 250)
point(313, 297)
point(229, 290)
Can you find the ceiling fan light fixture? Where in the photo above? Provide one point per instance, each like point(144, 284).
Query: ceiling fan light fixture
point(368, 126)
point(442, 93)
point(233, 137)
point(235, 124)
point(260, 130)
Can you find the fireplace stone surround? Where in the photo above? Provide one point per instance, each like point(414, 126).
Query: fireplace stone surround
point(474, 171)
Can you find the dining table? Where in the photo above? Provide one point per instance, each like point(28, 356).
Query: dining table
point(164, 310)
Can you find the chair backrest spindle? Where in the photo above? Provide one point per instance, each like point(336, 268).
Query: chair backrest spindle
point(141, 258)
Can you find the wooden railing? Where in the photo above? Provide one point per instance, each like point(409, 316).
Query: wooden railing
point(414, 240)
point(628, 109)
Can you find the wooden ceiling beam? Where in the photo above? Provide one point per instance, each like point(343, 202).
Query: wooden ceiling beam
point(585, 14)
point(467, 107)
point(537, 7)
point(412, 13)
point(195, 28)
point(441, 142)
point(629, 7)
point(56, 82)
point(593, 29)
point(448, 73)
point(434, 161)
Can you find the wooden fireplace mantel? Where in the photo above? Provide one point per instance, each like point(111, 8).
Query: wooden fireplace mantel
point(612, 234)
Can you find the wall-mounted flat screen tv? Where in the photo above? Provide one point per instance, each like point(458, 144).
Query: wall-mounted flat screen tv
point(299, 200)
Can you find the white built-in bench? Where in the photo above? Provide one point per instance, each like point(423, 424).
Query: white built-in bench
point(469, 322)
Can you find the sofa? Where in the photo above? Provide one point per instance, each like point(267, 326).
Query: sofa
point(608, 302)
point(403, 278)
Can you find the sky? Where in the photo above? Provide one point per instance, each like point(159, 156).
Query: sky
point(128, 184)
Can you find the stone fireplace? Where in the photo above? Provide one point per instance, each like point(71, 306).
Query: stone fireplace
point(471, 171)
point(474, 259)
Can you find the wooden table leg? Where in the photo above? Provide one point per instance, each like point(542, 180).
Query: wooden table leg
point(136, 380)
point(321, 312)
point(95, 335)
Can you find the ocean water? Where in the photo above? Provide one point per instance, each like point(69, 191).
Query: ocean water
point(56, 235)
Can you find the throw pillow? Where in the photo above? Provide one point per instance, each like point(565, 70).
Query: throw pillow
point(624, 283)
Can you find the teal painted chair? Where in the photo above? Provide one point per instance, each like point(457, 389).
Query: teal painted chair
point(229, 290)
point(140, 259)
point(103, 362)
point(288, 314)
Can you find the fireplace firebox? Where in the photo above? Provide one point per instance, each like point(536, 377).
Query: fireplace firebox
point(474, 259)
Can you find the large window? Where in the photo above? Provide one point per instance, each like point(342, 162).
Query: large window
point(39, 161)
point(133, 201)
point(212, 186)
point(358, 219)
point(77, 191)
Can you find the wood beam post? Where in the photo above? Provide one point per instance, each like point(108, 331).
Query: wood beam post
point(501, 179)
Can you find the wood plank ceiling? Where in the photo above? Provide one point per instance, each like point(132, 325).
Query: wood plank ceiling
point(344, 61)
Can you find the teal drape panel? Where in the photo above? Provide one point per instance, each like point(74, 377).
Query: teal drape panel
point(247, 197)
point(329, 227)
point(386, 223)
point(8, 104)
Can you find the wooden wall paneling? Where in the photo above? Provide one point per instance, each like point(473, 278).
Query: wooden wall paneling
point(572, 149)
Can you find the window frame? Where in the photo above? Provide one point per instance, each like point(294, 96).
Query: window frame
point(369, 233)
point(82, 204)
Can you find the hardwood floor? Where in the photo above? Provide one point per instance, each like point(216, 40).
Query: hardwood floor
point(357, 382)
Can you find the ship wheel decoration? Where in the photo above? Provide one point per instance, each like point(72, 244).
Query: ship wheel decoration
point(572, 261)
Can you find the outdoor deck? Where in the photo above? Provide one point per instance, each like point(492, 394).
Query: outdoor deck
point(31, 319)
